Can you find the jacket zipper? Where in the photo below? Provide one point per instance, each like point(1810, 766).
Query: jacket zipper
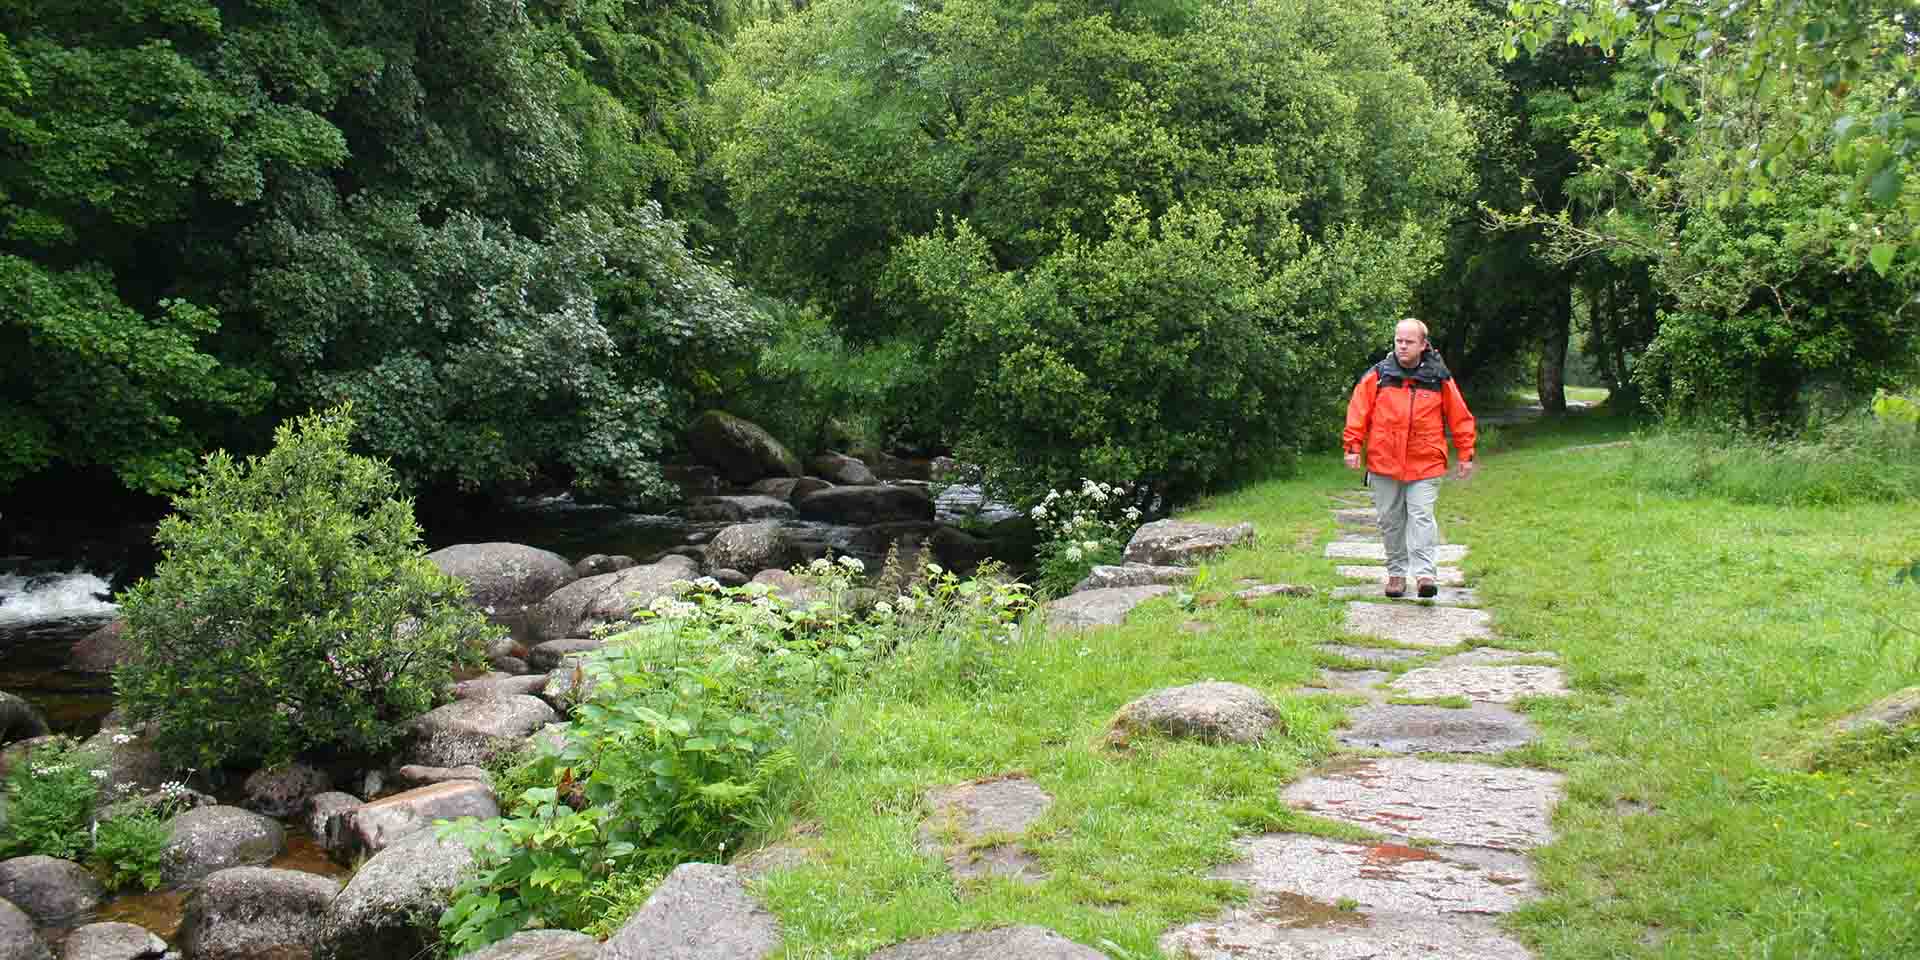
point(1406, 446)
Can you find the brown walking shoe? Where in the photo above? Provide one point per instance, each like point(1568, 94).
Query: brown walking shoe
point(1396, 586)
point(1427, 588)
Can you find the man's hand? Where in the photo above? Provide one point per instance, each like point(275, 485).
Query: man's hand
point(1466, 469)
point(1353, 460)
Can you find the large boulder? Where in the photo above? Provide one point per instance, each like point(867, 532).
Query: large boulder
point(958, 550)
point(738, 509)
point(504, 576)
point(750, 546)
point(19, 720)
point(842, 469)
point(575, 609)
point(18, 939)
point(739, 449)
point(102, 650)
point(379, 824)
point(700, 912)
point(692, 479)
point(131, 762)
point(391, 908)
point(244, 913)
point(1180, 543)
point(1107, 607)
point(541, 945)
point(866, 505)
point(1103, 576)
point(544, 657)
point(492, 685)
point(209, 839)
point(595, 564)
point(112, 941)
point(475, 731)
point(50, 890)
point(327, 818)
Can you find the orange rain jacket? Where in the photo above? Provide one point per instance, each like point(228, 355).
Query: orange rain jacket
point(1403, 417)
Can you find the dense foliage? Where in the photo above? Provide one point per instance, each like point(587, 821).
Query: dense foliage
point(293, 608)
point(215, 209)
point(1063, 205)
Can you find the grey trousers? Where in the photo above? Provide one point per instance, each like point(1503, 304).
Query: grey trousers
point(1406, 523)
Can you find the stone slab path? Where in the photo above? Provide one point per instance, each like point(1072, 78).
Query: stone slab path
point(1455, 833)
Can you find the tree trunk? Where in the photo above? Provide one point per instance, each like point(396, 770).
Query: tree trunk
point(1551, 379)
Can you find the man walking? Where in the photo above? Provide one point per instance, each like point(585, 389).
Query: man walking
point(1401, 411)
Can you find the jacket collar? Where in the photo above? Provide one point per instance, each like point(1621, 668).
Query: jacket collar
point(1430, 370)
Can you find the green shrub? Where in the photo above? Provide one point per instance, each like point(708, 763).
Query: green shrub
point(293, 608)
point(50, 796)
point(128, 847)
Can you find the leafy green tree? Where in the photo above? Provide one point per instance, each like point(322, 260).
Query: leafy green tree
point(1039, 152)
point(293, 608)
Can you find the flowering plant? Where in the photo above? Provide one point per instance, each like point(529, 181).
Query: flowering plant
point(1081, 528)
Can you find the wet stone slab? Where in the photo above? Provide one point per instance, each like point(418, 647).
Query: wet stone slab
point(963, 817)
point(1457, 803)
point(1387, 878)
point(1446, 597)
point(1418, 626)
point(1482, 684)
point(1408, 728)
point(1250, 933)
point(1360, 682)
point(1361, 550)
point(1373, 655)
point(1443, 576)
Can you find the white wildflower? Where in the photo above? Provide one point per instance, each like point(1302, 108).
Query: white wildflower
point(934, 569)
point(906, 604)
point(853, 563)
point(819, 565)
point(1073, 553)
point(1133, 513)
point(97, 774)
point(883, 608)
point(121, 739)
point(1091, 545)
point(708, 584)
point(1040, 512)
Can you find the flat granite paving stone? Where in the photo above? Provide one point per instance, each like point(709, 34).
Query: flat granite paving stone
point(1445, 597)
point(1356, 516)
point(1361, 550)
point(1442, 576)
point(1104, 607)
point(971, 812)
point(1373, 655)
point(1495, 657)
point(1254, 933)
point(1418, 626)
point(1505, 808)
point(1361, 682)
point(1410, 728)
point(1379, 877)
point(1482, 684)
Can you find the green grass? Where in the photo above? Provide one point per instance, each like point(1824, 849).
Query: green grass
point(1707, 643)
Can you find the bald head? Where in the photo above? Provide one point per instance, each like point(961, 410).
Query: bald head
point(1409, 341)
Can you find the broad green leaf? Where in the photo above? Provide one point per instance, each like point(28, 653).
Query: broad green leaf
point(1881, 256)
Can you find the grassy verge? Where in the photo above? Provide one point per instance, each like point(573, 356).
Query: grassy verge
point(1707, 644)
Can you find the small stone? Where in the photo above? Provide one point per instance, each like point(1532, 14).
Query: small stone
point(499, 685)
point(1103, 576)
point(1211, 711)
point(1379, 656)
point(546, 656)
point(1265, 590)
point(1181, 543)
point(284, 790)
point(415, 775)
point(202, 841)
point(110, 941)
point(327, 820)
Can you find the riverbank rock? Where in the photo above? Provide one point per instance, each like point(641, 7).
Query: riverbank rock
point(246, 913)
point(504, 576)
point(284, 791)
point(541, 945)
point(391, 908)
point(548, 655)
point(102, 650)
point(692, 479)
point(842, 469)
point(380, 823)
point(739, 449)
point(737, 509)
point(414, 775)
point(327, 820)
point(18, 939)
point(475, 731)
point(863, 506)
point(1106, 607)
point(1212, 711)
point(111, 941)
point(500, 685)
point(208, 839)
point(700, 912)
point(1003, 943)
point(958, 550)
point(575, 609)
point(50, 890)
point(19, 720)
point(1104, 576)
point(131, 762)
point(1181, 543)
point(595, 564)
point(750, 546)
